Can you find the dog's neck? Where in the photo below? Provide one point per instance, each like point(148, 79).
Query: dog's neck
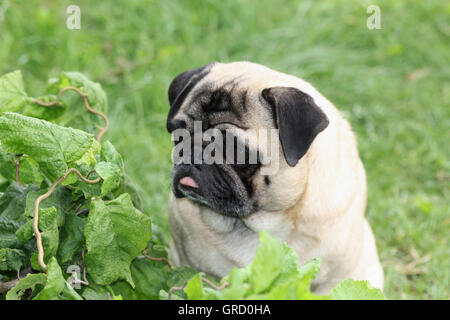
point(273, 222)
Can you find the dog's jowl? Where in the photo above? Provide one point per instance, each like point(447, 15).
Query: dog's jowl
point(257, 149)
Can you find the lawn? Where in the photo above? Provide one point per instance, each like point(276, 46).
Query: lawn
point(392, 84)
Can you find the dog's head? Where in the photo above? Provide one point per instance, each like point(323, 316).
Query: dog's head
point(237, 100)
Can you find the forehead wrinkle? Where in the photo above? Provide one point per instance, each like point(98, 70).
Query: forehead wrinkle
point(210, 84)
point(238, 90)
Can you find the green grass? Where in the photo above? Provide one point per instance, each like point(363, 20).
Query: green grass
point(392, 84)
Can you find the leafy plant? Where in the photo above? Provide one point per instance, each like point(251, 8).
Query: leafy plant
point(274, 274)
point(71, 226)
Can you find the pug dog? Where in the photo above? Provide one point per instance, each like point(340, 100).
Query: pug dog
point(315, 199)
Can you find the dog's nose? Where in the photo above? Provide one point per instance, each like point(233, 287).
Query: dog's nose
point(174, 124)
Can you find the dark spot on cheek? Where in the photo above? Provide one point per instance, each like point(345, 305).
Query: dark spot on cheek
point(267, 180)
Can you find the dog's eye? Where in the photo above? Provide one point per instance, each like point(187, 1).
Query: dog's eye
point(246, 170)
point(220, 101)
point(242, 161)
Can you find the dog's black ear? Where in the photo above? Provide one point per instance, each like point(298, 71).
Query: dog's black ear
point(298, 119)
point(182, 85)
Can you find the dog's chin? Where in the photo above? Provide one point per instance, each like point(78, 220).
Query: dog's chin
point(192, 195)
point(214, 188)
point(227, 210)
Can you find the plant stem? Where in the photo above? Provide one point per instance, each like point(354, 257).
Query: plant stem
point(86, 104)
point(36, 230)
point(157, 259)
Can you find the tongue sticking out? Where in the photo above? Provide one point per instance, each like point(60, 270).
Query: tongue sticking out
point(189, 182)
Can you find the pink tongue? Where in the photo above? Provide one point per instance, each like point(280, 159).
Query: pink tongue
point(188, 181)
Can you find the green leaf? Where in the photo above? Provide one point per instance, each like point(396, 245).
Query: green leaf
point(43, 112)
point(90, 157)
point(12, 92)
point(79, 117)
point(88, 190)
point(194, 288)
point(95, 291)
point(295, 289)
point(12, 202)
point(115, 234)
point(69, 293)
point(111, 175)
point(149, 278)
point(71, 237)
point(164, 295)
point(111, 168)
point(238, 286)
point(25, 232)
point(275, 265)
point(178, 276)
point(50, 234)
point(267, 264)
point(29, 172)
point(110, 154)
point(29, 169)
point(55, 283)
point(8, 238)
point(350, 289)
point(95, 94)
point(310, 269)
point(124, 290)
point(296, 286)
point(54, 148)
point(11, 259)
point(289, 267)
point(60, 199)
point(32, 281)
